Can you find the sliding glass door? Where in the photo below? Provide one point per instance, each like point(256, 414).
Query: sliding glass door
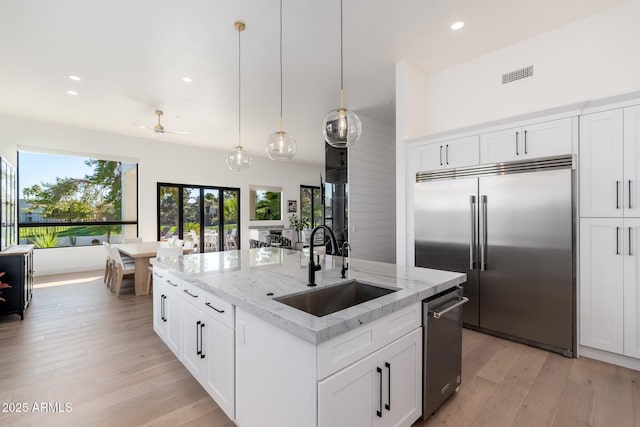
point(208, 216)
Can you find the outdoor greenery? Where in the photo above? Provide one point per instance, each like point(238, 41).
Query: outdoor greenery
point(47, 238)
point(268, 205)
point(96, 197)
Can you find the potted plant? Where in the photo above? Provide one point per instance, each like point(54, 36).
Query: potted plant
point(298, 224)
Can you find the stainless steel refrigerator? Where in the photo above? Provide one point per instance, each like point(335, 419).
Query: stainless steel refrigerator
point(510, 227)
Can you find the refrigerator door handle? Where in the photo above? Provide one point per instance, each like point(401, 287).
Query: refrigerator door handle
point(483, 235)
point(472, 243)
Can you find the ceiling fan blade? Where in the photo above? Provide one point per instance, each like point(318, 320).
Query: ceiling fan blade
point(138, 125)
point(178, 132)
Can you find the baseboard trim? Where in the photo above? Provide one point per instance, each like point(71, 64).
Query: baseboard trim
point(613, 358)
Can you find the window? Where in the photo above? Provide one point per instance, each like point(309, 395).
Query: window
point(75, 201)
point(208, 216)
point(311, 204)
point(265, 203)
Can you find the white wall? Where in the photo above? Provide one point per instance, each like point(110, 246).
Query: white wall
point(593, 58)
point(372, 187)
point(158, 162)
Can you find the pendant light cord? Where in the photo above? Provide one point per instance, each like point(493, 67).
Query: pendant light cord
point(281, 115)
point(341, 52)
point(239, 93)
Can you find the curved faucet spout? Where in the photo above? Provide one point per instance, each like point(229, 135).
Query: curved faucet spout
point(312, 265)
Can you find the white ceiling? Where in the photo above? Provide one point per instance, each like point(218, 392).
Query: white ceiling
point(132, 55)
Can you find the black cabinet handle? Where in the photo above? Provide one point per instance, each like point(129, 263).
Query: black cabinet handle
point(525, 142)
point(171, 283)
point(379, 413)
point(388, 405)
point(198, 350)
point(629, 194)
point(517, 134)
point(441, 155)
point(189, 293)
point(162, 310)
point(446, 152)
point(208, 304)
point(617, 194)
point(201, 345)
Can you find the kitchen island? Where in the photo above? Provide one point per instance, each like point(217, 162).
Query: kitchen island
point(266, 363)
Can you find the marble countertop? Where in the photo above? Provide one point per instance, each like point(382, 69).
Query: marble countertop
point(245, 277)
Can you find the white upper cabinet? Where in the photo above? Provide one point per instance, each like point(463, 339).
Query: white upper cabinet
point(450, 154)
point(631, 173)
point(610, 163)
point(544, 139)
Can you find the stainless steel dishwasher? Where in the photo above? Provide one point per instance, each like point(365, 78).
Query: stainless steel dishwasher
point(442, 352)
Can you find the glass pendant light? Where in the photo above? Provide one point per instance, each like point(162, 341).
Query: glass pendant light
point(237, 159)
point(281, 145)
point(341, 128)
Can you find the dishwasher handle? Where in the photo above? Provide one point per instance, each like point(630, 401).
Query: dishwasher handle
point(438, 314)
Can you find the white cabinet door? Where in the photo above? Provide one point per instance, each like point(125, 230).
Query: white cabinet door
point(450, 154)
point(219, 354)
point(431, 157)
point(353, 396)
point(192, 340)
point(462, 152)
point(631, 288)
point(545, 139)
point(601, 283)
point(401, 364)
point(601, 162)
point(159, 319)
point(632, 162)
point(383, 389)
point(501, 146)
point(172, 309)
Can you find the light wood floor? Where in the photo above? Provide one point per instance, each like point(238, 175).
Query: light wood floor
point(79, 344)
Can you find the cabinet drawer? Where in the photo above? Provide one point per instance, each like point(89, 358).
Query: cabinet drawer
point(172, 282)
point(193, 294)
point(346, 348)
point(219, 309)
point(400, 323)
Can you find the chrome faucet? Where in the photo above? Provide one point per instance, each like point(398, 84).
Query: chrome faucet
point(312, 265)
point(344, 268)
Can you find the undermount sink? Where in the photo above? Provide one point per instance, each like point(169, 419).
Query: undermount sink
point(327, 300)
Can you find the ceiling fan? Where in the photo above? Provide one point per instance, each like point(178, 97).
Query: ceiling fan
point(160, 129)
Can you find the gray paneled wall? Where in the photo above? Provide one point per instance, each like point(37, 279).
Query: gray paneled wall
point(372, 198)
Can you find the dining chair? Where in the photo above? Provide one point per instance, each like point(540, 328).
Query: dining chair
point(178, 242)
point(162, 251)
point(108, 266)
point(189, 244)
point(120, 270)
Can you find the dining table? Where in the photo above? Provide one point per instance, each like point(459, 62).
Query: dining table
point(142, 252)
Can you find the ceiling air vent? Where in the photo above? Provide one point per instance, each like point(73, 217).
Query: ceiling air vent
point(522, 73)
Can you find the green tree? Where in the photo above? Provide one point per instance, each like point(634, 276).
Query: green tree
point(97, 196)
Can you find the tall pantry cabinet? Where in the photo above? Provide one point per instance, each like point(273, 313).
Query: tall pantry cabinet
point(610, 231)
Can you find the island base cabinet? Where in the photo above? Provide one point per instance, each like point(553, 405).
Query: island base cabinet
point(193, 331)
point(166, 316)
point(219, 378)
point(383, 389)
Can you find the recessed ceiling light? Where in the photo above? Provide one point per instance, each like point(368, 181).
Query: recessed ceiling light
point(76, 78)
point(457, 25)
point(72, 92)
point(187, 79)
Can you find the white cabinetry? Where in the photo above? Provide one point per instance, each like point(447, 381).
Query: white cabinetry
point(383, 389)
point(166, 310)
point(208, 344)
point(335, 383)
point(610, 231)
point(198, 328)
point(544, 139)
point(601, 284)
point(449, 154)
